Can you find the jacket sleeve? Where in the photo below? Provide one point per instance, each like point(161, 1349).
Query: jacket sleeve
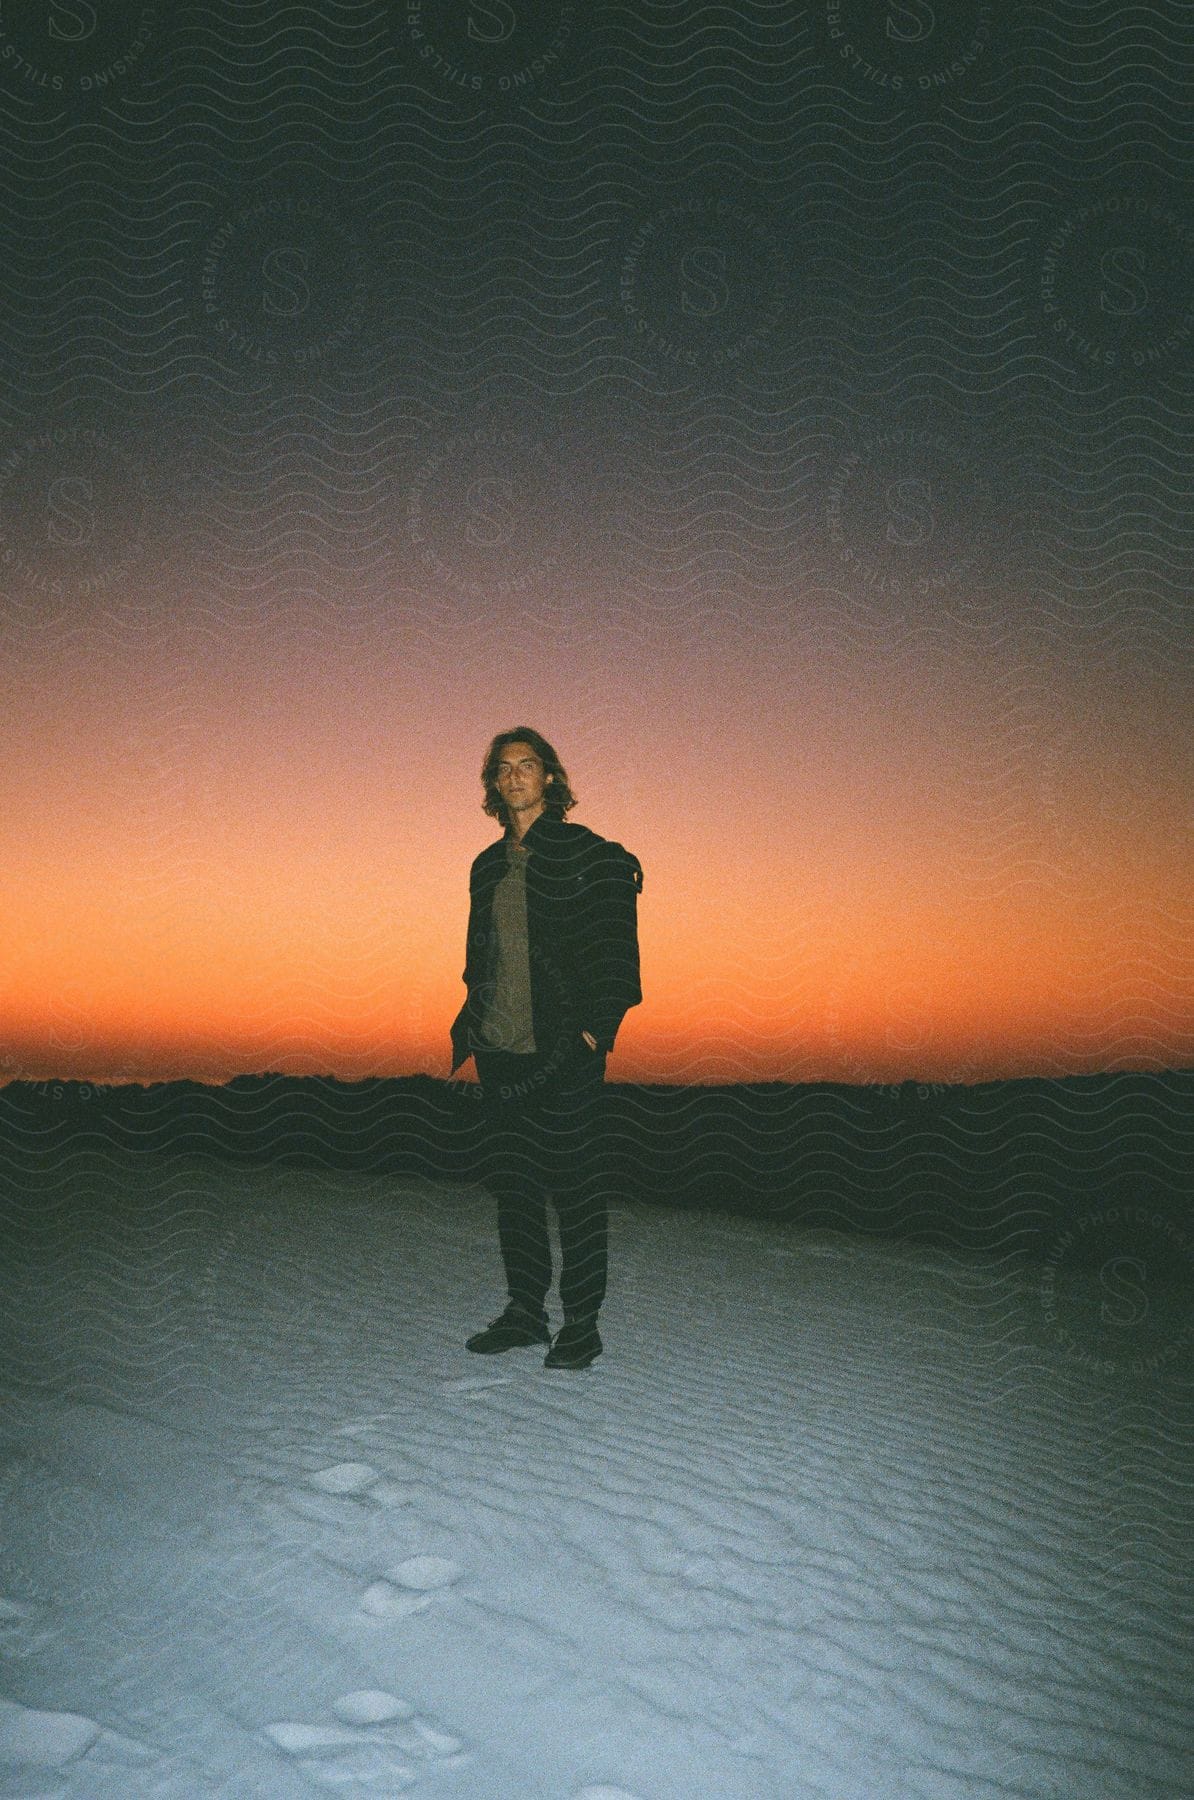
point(615, 882)
point(460, 1024)
point(473, 971)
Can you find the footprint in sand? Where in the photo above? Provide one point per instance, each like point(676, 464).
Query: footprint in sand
point(343, 1478)
point(475, 1384)
point(342, 1493)
point(376, 1728)
point(337, 1495)
point(409, 1586)
point(43, 1740)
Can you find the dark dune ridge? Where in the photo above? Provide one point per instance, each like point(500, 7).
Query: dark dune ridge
point(1018, 1168)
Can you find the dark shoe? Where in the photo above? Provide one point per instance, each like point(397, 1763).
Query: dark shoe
point(576, 1344)
point(512, 1328)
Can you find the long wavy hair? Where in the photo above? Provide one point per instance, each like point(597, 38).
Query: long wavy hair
point(558, 797)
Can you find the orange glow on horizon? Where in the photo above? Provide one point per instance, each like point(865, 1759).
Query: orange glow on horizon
point(277, 879)
point(283, 966)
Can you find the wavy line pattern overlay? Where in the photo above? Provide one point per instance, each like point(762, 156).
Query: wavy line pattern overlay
point(797, 404)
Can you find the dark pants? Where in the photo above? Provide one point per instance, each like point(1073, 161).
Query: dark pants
point(544, 1135)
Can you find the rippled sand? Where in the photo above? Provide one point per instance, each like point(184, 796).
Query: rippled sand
point(828, 1519)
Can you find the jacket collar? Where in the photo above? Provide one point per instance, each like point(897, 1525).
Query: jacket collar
point(546, 831)
point(533, 830)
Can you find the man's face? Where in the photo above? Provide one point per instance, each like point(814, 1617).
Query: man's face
point(520, 777)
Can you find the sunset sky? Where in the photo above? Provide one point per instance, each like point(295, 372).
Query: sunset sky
point(804, 451)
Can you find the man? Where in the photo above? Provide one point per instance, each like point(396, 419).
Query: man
point(551, 967)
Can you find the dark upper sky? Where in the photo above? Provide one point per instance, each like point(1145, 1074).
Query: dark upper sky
point(811, 384)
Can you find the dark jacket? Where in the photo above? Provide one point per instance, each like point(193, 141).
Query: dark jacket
point(582, 935)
